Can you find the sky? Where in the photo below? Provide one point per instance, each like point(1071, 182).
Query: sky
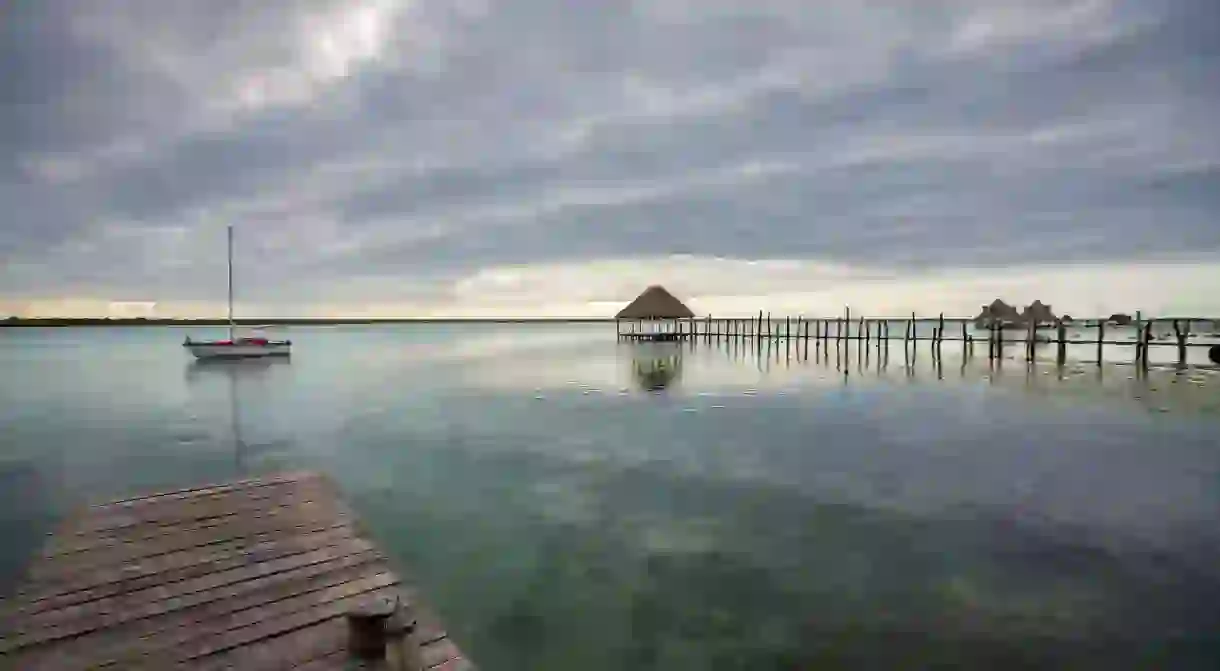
point(535, 158)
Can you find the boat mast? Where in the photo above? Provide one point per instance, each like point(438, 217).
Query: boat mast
point(230, 282)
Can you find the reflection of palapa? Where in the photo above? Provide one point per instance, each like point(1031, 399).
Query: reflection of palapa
point(658, 373)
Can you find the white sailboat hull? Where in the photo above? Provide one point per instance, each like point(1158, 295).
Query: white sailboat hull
point(238, 350)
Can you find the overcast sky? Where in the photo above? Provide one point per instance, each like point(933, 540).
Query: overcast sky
point(539, 157)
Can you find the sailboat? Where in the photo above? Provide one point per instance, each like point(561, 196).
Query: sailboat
point(234, 347)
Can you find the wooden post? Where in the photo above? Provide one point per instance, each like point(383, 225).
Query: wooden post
point(1101, 336)
point(1147, 341)
point(758, 328)
point(366, 628)
point(860, 329)
point(940, 333)
point(1061, 337)
point(1030, 338)
point(965, 342)
point(1139, 328)
point(1181, 336)
point(846, 321)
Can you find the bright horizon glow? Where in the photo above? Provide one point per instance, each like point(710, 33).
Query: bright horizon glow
point(781, 287)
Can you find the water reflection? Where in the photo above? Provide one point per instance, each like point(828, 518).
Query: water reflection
point(243, 379)
point(656, 368)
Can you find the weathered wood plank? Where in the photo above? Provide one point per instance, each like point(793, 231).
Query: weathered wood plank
point(248, 483)
point(276, 523)
point(150, 600)
point(255, 624)
point(148, 635)
point(438, 652)
point(169, 568)
point(254, 574)
point(197, 508)
point(203, 518)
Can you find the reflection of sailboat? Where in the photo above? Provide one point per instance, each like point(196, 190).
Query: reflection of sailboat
point(233, 348)
point(654, 371)
point(232, 368)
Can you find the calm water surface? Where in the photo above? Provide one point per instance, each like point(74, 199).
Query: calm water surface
point(570, 502)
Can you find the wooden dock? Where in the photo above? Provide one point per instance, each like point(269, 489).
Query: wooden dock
point(865, 332)
point(255, 574)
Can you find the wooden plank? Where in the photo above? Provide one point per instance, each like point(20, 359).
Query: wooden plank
point(254, 624)
point(249, 483)
point(324, 640)
point(149, 600)
point(193, 508)
point(439, 652)
point(201, 519)
point(147, 635)
point(279, 522)
point(170, 568)
point(253, 574)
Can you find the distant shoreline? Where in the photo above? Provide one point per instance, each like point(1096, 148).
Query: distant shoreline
point(20, 322)
point(68, 322)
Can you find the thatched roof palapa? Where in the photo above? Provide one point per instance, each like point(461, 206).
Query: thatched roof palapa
point(655, 303)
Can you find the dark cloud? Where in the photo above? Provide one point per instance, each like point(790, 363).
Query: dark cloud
point(427, 140)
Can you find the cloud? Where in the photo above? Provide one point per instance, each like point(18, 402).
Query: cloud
point(393, 155)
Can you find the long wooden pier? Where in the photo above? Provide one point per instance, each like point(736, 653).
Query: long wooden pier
point(266, 573)
point(865, 331)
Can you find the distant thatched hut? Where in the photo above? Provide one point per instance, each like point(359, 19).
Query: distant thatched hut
point(998, 313)
point(656, 310)
point(1119, 319)
point(1038, 314)
point(1003, 315)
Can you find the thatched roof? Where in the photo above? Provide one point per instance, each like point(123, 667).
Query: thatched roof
point(998, 310)
point(1038, 312)
point(655, 303)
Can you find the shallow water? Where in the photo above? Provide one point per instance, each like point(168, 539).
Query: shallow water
point(781, 508)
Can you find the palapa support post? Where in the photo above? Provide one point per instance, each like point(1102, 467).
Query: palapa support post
point(914, 339)
point(1061, 339)
point(1147, 342)
point(1139, 329)
point(1181, 336)
point(1101, 339)
point(999, 343)
point(1031, 333)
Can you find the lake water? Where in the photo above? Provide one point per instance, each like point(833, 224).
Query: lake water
point(567, 501)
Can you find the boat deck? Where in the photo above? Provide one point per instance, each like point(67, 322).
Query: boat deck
point(254, 574)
